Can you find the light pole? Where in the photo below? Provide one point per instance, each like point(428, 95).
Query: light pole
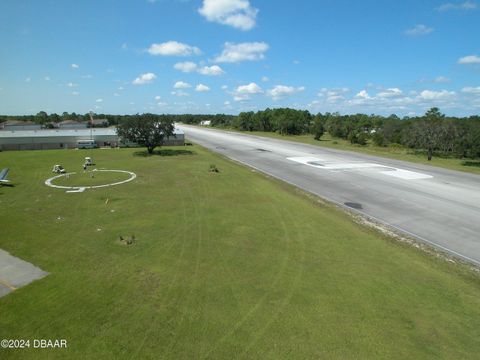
point(91, 124)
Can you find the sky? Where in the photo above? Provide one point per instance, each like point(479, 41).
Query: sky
point(228, 56)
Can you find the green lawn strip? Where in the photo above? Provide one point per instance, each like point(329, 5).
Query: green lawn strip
point(225, 265)
point(397, 153)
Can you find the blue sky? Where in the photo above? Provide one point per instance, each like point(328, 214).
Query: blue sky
point(227, 56)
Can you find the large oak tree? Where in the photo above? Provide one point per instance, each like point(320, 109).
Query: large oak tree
point(146, 130)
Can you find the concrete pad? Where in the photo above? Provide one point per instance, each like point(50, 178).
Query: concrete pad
point(4, 290)
point(15, 273)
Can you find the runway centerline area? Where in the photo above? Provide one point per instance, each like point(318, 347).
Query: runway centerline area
point(435, 205)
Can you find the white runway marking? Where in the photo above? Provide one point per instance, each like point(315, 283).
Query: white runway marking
point(78, 189)
point(346, 166)
point(81, 189)
point(406, 174)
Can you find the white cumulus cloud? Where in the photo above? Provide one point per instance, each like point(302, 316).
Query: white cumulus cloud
point(441, 79)
point(281, 91)
point(436, 95)
point(418, 30)
point(202, 88)
point(186, 67)
point(173, 48)
point(75, 66)
point(248, 51)
point(333, 95)
point(390, 93)
point(251, 88)
point(181, 85)
point(213, 70)
point(243, 92)
point(471, 90)
point(363, 94)
point(144, 79)
point(467, 5)
point(180, 93)
point(393, 100)
point(470, 59)
point(190, 66)
point(236, 13)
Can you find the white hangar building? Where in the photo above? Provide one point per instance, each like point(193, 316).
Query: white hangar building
point(69, 138)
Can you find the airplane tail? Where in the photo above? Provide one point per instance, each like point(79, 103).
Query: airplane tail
point(3, 176)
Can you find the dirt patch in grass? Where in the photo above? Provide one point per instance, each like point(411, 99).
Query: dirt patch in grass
point(164, 152)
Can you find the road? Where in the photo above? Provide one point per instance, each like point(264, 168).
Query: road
point(435, 205)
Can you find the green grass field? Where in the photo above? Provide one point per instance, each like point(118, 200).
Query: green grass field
point(225, 265)
point(398, 153)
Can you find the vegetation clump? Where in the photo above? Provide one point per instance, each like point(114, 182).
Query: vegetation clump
point(127, 240)
point(213, 168)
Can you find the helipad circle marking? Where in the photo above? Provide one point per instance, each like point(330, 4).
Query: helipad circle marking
point(48, 182)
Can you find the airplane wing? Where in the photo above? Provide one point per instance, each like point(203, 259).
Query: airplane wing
point(3, 176)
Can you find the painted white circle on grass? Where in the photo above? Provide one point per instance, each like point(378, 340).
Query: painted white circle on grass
point(48, 182)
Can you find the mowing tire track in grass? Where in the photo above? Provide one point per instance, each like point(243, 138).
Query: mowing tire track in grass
point(278, 276)
point(288, 296)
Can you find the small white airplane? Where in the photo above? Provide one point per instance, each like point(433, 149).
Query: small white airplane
point(3, 178)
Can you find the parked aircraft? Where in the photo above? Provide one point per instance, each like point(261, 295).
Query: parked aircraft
point(3, 178)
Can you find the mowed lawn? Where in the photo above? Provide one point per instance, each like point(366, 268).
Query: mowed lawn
point(225, 265)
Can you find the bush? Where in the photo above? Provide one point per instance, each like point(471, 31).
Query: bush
point(396, 146)
point(362, 139)
point(359, 138)
point(379, 139)
point(128, 240)
point(213, 168)
point(352, 137)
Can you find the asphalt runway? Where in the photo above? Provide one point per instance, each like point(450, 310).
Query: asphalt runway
point(438, 206)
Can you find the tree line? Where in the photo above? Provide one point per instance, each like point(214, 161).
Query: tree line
point(433, 133)
point(43, 118)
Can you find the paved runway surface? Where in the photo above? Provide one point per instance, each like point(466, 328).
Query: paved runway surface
point(438, 206)
point(15, 273)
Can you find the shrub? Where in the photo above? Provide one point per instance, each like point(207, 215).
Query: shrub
point(362, 139)
point(213, 168)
